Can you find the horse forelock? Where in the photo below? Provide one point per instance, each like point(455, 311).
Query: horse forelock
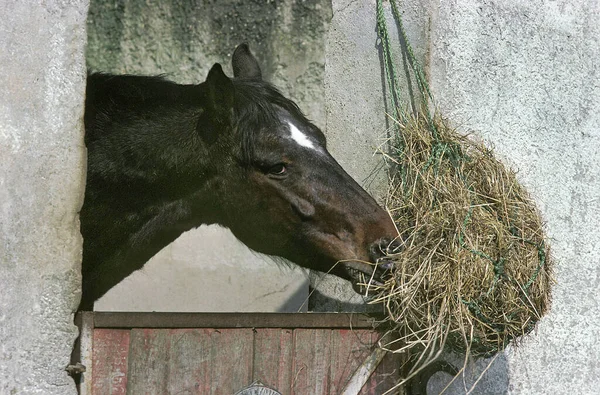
point(258, 106)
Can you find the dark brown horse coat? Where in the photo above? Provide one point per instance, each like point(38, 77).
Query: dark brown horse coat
point(164, 158)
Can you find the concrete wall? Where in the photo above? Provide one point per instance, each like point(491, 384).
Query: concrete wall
point(357, 124)
point(208, 269)
point(524, 76)
point(42, 168)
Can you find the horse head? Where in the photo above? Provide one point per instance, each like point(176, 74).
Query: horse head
point(281, 191)
point(164, 158)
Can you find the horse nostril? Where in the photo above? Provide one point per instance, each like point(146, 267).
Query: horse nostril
point(395, 246)
point(381, 252)
point(384, 247)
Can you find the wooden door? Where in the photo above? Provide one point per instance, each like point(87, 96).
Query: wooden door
point(207, 353)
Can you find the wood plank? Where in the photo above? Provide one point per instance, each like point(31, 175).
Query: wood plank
point(85, 321)
point(233, 320)
point(110, 361)
point(349, 349)
point(202, 360)
point(272, 364)
point(148, 367)
point(364, 372)
point(385, 377)
point(190, 361)
point(231, 360)
point(311, 366)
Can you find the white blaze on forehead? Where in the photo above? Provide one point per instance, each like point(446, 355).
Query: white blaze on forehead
point(300, 137)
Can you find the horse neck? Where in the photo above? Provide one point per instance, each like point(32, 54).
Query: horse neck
point(150, 177)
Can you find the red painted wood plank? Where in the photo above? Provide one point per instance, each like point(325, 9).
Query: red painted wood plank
point(386, 376)
point(109, 361)
point(148, 362)
point(273, 358)
point(349, 349)
point(231, 360)
point(189, 361)
point(222, 361)
point(311, 365)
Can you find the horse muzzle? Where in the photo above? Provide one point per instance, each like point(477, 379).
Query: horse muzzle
point(377, 270)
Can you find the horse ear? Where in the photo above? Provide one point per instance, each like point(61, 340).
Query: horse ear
point(220, 89)
point(218, 110)
point(245, 64)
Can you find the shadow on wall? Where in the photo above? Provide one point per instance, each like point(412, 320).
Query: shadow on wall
point(485, 376)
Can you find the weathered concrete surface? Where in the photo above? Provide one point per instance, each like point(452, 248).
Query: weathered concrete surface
point(42, 169)
point(227, 282)
point(183, 39)
point(525, 76)
point(356, 110)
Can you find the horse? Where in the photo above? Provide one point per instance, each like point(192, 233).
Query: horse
point(164, 158)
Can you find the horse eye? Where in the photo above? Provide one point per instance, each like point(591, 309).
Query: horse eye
point(278, 170)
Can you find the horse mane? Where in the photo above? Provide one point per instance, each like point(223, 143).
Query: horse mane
point(257, 106)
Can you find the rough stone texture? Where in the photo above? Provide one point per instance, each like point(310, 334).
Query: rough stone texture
point(183, 39)
point(525, 77)
point(42, 171)
point(356, 110)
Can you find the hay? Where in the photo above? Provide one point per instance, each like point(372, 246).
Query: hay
point(473, 271)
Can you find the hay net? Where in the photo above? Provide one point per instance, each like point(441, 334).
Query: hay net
point(473, 271)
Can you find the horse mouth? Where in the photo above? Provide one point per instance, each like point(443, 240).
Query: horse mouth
point(367, 277)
